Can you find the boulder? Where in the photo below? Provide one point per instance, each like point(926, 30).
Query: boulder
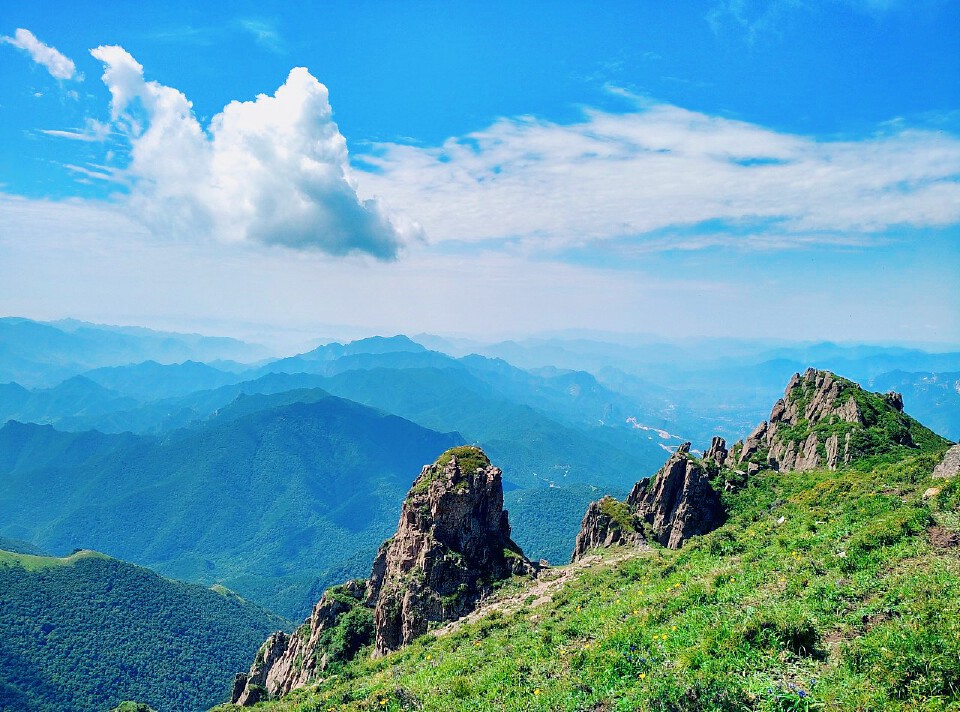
point(950, 464)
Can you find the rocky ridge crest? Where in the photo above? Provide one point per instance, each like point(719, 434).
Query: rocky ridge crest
point(452, 544)
point(677, 503)
point(824, 420)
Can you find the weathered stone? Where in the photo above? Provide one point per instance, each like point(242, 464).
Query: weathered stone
point(677, 502)
point(757, 439)
point(894, 400)
point(607, 522)
point(810, 399)
point(950, 464)
point(452, 544)
point(251, 688)
point(717, 452)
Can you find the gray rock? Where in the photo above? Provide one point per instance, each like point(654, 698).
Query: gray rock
point(717, 452)
point(950, 464)
point(677, 502)
point(452, 544)
point(607, 522)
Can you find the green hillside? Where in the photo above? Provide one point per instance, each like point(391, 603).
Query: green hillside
point(274, 497)
point(86, 632)
point(825, 590)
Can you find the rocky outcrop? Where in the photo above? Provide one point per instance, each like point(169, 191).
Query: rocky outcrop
point(452, 544)
point(608, 522)
point(285, 662)
point(823, 421)
point(717, 452)
point(251, 687)
point(950, 464)
point(677, 503)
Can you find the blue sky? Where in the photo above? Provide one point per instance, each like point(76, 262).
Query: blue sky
point(785, 169)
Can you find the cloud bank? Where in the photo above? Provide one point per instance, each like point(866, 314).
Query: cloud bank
point(59, 65)
point(661, 169)
point(274, 170)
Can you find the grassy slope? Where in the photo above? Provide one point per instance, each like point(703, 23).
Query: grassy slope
point(844, 604)
point(85, 632)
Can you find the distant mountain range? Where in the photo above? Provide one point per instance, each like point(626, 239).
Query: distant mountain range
point(273, 497)
point(231, 468)
point(43, 354)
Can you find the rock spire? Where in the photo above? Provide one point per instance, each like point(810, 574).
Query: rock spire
point(452, 544)
point(677, 503)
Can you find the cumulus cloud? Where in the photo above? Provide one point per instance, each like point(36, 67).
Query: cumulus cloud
point(663, 168)
point(274, 170)
point(59, 65)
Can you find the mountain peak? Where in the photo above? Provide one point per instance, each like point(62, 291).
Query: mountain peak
point(824, 420)
point(452, 543)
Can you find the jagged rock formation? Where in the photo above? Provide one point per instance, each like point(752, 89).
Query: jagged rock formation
point(339, 626)
point(678, 502)
point(675, 504)
point(824, 421)
point(608, 522)
point(950, 464)
point(821, 421)
point(717, 452)
point(452, 544)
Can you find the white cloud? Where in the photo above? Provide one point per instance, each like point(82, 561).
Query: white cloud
point(663, 168)
point(59, 66)
point(274, 170)
point(89, 260)
point(93, 132)
point(263, 32)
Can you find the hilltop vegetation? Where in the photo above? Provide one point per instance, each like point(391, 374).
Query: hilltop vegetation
point(276, 497)
point(824, 590)
point(87, 632)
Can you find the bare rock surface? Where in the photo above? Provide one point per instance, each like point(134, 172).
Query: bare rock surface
point(607, 522)
point(677, 503)
point(452, 543)
point(950, 464)
point(451, 546)
point(814, 425)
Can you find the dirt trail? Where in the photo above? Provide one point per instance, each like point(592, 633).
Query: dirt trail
point(542, 589)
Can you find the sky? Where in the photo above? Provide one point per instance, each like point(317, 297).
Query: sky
point(784, 169)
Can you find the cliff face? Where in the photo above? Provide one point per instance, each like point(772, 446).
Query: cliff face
point(452, 544)
point(608, 522)
point(677, 503)
point(825, 421)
